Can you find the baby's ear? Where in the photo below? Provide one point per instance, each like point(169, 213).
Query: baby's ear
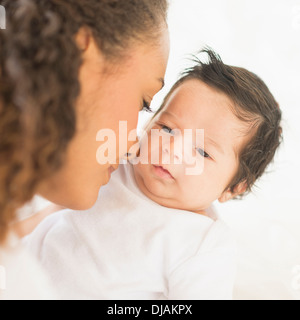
point(238, 190)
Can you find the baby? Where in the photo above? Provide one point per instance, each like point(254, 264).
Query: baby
point(151, 234)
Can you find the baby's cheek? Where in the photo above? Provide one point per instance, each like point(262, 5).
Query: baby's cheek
point(145, 151)
point(154, 150)
point(186, 186)
point(196, 188)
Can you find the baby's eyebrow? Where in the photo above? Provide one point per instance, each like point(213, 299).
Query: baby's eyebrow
point(215, 144)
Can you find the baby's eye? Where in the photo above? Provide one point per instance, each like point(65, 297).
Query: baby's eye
point(167, 129)
point(203, 153)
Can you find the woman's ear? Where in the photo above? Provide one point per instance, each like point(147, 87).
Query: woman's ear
point(229, 195)
point(83, 38)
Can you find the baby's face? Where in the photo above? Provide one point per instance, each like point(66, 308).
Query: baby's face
point(193, 105)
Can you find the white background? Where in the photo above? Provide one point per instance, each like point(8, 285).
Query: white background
point(264, 37)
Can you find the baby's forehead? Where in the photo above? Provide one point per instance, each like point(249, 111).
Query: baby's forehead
point(196, 105)
point(193, 99)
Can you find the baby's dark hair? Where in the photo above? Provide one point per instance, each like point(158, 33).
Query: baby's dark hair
point(252, 103)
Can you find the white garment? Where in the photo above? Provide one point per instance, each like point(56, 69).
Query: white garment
point(21, 277)
point(129, 247)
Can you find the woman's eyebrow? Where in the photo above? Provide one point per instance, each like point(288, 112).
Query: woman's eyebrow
point(169, 114)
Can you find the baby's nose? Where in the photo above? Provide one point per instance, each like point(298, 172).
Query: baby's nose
point(173, 151)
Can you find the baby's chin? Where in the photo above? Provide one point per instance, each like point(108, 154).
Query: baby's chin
point(161, 197)
point(165, 198)
point(168, 200)
point(162, 193)
point(166, 195)
point(155, 189)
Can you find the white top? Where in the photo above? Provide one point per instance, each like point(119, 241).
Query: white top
point(21, 277)
point(129, 247)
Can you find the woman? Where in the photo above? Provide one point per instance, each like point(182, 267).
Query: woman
point(70, 68)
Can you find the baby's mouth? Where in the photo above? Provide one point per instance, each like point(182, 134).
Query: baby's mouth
point(163, 173)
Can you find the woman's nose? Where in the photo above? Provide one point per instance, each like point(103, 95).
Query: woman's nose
point(129, 156)
point(132, 147)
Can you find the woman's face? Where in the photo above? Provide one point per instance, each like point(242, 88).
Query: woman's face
point(110, 93)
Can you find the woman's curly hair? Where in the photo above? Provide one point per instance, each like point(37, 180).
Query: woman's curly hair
point(39, 86)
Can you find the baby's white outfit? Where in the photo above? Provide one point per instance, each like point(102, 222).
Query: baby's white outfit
point(21, 276)
point(128, 247)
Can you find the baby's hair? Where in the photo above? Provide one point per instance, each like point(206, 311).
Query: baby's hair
point(253, 103)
